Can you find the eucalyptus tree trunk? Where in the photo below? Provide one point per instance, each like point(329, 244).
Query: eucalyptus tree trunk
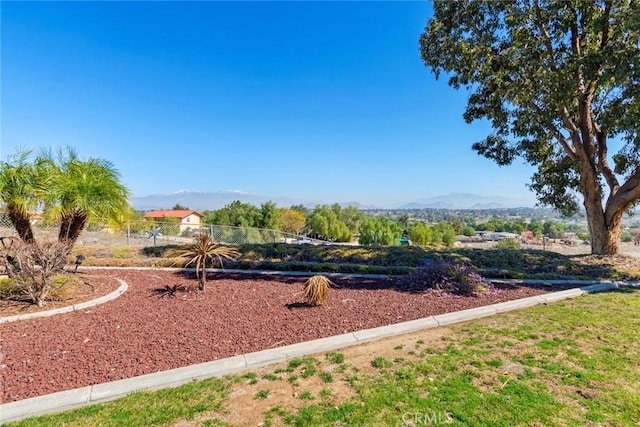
point(605, 223)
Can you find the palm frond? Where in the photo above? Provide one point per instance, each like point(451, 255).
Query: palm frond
point(203, 249)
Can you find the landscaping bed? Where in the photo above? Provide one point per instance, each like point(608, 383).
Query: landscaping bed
point(147, 330)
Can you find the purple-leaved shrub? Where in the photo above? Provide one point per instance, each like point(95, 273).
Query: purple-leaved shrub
point(443, 276)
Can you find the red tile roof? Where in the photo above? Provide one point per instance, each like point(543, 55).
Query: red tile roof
point(172, 214)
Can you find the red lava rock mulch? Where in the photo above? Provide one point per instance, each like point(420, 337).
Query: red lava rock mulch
point(87, 286)
point(144, 331)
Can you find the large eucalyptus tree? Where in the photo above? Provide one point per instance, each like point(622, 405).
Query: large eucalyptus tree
point(559, 81)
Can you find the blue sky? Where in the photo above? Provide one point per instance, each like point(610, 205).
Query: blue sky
point(324, 101)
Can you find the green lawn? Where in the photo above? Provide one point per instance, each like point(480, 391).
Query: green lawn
point(575, 362)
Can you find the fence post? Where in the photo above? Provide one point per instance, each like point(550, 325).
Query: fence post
point(128, 234)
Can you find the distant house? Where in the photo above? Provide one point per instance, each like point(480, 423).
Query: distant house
point(527, 236)
point(494, 236)
point(188, 218)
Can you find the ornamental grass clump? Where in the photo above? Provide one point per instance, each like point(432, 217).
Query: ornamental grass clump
point(316, 290)
point(451, 278)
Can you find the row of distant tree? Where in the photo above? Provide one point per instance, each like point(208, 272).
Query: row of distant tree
point(344, 224)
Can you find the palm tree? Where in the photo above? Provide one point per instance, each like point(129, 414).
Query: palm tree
point(22, 185)
point(201, 251)
point(82, 190)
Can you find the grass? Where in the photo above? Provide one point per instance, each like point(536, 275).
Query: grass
point(571, 363)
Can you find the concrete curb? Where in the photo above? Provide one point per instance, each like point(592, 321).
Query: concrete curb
point(104, 392)
point(105, 298)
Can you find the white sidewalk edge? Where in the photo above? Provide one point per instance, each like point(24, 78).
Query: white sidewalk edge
point(80, 306)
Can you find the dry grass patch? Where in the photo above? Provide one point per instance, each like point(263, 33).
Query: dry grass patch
point(316, 290)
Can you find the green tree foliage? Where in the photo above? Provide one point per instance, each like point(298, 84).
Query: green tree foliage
point(328, 221)
point(420, 234)
point(554, 230)
point(291, 220)
point(442, 233)
point(468, 231)
point(209, 217)
point(558, 80)
point(179, 207)
point(447, 233)
point(351, 217)
point(235, 214)
point(496, 224)
point(457, 225)
point(379, 230)
point(300, 208)
point(537, 228)
point(403, 220)
point(269, 216)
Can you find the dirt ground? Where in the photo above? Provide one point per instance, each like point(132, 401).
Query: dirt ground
point(244, 409)
point(626, 248)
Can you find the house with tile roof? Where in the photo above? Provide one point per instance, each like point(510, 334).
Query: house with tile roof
point(189, 219)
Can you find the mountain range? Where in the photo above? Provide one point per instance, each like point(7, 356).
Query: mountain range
point(212, 200)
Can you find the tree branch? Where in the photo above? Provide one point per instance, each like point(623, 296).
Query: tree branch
point(605, 26)
point(545, 34)
point(566, 145)
point(572, 128)
point(625, 196)
point(603, 162)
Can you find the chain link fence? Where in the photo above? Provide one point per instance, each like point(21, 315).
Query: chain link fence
point(150, 233)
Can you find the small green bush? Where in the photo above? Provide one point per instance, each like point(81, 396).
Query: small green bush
point(8, 288)
point(507, 244)
point(124, 252)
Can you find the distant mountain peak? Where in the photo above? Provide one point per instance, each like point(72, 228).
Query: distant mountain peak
point(212, 200)
point(467, 201)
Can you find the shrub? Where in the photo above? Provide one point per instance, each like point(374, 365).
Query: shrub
point(124, 252)
point(316, 290)
point(507, 244)
point(8, 288)
point(38, 264)
point(444, 276)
